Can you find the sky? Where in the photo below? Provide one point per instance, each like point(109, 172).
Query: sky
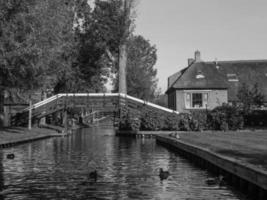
point(219, 29)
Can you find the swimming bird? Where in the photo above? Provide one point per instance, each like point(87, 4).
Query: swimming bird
point(93, 175)
point(10, 156)
point(216, 181)
point(163, 174)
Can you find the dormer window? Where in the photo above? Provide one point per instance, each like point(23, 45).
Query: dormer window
point(199, 75)
point(232, 77)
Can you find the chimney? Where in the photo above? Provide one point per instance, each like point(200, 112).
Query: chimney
point(190, 61)
point(197, 56)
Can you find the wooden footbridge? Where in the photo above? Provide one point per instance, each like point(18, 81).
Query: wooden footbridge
point(89, 104)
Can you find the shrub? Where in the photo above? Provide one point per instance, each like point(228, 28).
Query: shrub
point(256, 118)
point(172, 122)
point(225, 118)
point(184, 123)
point(151, 120)
point(199, 120)
point(130, 119)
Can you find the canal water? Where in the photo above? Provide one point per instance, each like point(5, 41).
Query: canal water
point(128, 168)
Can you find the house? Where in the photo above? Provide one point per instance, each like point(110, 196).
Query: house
point(206, 85)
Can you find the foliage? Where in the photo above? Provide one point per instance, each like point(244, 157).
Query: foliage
point(160, 99)
point(225, 118)
point(141, 74)
point(151, 120)
point(172, 122)
point(130, 119)
point(256, 118)
point(250, 98)
point(100, 33)
point(19, 53)
point(199, 120)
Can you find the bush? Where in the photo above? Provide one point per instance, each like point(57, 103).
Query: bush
point(225, 118)
point(152, 120)
point(199, 120)
point(172, 122)
point(130, 119)
point(184, 123)
point(256, 118)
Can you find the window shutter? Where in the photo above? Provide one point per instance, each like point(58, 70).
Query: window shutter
point(205, 100)
point(187, 100)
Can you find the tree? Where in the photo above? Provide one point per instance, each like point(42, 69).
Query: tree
point(101, 33)
point(56, 40)
point(18, 52)
point(141, 74)
point(36, 44)
point(250, 98)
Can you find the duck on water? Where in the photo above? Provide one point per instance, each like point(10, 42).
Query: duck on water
point(163, 174)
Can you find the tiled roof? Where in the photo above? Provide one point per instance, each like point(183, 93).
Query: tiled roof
point(224, 75)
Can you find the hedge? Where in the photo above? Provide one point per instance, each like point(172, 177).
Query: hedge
point(225, 118)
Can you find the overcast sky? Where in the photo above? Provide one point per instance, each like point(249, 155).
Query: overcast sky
point(222, 29)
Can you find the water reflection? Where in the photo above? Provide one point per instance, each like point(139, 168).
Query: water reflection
point(58, 168)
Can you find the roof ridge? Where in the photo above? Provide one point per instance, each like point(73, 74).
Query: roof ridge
point(234, 61)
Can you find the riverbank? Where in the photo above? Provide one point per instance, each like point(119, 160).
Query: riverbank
point(17, 135)
point(239, 156)
point(244, 146)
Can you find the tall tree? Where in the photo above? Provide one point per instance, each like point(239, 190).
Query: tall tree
point(141, 74)
point(36, 43)
point(18, 52)
point(101, 33)
point(56, 39)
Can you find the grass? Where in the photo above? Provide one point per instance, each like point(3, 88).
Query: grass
point(246, 146)
point(13, 134)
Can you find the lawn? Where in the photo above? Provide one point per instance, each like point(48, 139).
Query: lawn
point(244, 146)
point(20, 133)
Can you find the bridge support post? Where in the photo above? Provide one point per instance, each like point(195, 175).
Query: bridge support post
point(43, 120)
point(65, 121)
point(30, 115)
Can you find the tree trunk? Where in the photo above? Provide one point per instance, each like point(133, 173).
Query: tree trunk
point(122, 69)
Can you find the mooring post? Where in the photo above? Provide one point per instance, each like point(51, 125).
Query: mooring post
point(30, 114)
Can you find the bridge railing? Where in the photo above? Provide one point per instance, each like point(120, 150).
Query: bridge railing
point(121, 95)
point(148, 103)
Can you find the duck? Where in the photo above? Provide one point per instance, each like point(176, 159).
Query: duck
point(163, 174)
point(216, 181)
point(93, 175)
point(10, 156)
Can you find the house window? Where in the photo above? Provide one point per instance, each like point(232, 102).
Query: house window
point(197, 100)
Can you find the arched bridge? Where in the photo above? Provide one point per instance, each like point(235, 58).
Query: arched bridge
point(105, 103)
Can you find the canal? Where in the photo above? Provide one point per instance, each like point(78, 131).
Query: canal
point(128, 168)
